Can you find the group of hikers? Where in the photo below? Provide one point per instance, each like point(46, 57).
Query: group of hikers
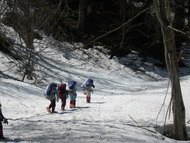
point(63, 91)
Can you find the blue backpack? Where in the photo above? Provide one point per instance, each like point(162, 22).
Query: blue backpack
point(51, 87)
point(72, 84)
point(89, 82)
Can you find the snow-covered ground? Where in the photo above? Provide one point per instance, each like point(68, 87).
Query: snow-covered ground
point(128, 93)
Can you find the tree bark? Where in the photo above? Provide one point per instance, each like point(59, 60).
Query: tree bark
point(81, 15)
point(178, 108)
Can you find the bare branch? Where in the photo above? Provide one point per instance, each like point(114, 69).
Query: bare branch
point(130, 20)
point(142, 128)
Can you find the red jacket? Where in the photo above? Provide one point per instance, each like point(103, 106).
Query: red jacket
point(62, 92)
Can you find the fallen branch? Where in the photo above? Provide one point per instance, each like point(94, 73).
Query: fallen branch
point(142, 128)
point(139, 126)
point(135, 121)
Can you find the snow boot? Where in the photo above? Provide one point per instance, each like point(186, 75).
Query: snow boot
point(53, 108)
point(72, 104)
point(2, 138)
point(62, 108)
point(54, 112)
point(88, 99)
point(1, 134)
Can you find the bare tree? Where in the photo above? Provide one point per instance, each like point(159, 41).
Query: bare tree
point(163, 13)
point(22, 24)
point(81, 15)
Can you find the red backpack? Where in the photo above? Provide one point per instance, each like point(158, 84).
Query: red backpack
point(62, 90)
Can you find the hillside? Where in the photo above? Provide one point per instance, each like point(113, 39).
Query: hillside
point(130, 91)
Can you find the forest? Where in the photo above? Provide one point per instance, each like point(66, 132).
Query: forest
point(120, 26)
point(157, 29)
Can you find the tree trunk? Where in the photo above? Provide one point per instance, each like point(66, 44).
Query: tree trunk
point(81, 15)
point(178, 108)
point(179, 126)
point(29, 66)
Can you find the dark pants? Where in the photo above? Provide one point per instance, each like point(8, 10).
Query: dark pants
point(52, 104)
point(63, 100)
point(1, 129)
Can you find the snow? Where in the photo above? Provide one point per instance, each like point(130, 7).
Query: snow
point(128, 92)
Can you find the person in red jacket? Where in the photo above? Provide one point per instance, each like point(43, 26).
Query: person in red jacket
point(63, 94)
point(2, 118)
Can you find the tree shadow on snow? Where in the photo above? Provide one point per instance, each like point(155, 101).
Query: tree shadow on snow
point(70, 110)
point(97, 102)
point(167, 130)
point(81, 107)
point(12, 140)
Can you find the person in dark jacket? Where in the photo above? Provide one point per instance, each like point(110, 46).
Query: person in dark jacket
point(63, 94)
point(4, 120)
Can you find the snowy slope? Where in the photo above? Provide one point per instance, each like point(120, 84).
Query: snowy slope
point(122, 98)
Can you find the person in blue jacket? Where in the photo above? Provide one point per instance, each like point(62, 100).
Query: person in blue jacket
point(51, 94)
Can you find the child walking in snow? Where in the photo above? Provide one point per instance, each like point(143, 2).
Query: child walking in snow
point(87, 89)
point(63, 94)
point(50, 95)
point(72, 93)
point(2, 118)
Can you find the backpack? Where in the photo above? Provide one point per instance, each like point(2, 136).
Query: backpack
point(72, 85)
point(50, 89)
point(89, 82)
